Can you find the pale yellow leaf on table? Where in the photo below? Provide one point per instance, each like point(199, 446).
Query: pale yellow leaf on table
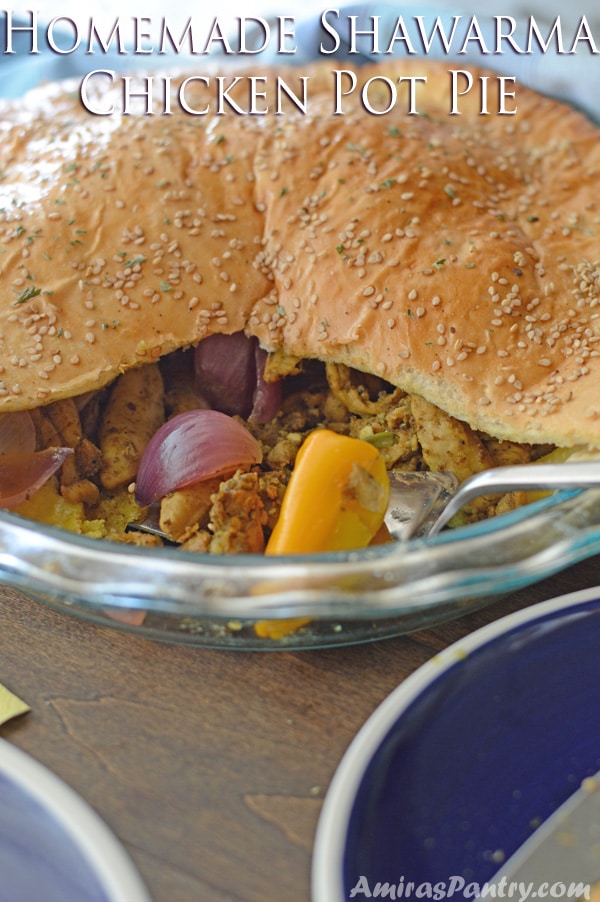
point(10, 705)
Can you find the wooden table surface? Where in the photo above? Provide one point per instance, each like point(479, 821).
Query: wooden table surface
point(209, 766)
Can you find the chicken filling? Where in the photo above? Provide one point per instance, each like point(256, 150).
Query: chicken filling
point(93, 492)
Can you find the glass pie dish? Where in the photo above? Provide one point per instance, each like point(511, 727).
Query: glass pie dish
point(216, 601)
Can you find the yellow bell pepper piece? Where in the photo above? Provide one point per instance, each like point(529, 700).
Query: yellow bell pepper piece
point(336, 498)
point(335, 501)
point(279, 629)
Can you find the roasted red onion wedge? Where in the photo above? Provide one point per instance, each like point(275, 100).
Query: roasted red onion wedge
point(230, 375)
point(190, 447)
point(23, 474)
point(266, 399)
point(226, 372)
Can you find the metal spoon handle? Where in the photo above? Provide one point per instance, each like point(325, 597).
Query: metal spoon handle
point(527, 477)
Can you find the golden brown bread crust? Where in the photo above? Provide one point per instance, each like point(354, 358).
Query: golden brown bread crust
point(456, 256)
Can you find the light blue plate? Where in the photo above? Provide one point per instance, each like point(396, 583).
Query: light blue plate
point(53, 847)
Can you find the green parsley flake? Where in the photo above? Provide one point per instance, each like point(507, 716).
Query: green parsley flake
point(27, 295)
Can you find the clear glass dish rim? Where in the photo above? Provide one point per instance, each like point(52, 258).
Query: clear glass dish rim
point(490, 558)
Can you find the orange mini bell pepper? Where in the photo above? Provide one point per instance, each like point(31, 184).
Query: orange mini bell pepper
point(336, 498)
point(335, 501)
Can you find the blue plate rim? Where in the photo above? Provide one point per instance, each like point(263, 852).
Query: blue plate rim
point(330, 837)
point(90, 835)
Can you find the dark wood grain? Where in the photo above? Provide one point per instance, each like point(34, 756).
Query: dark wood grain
point(209, 766)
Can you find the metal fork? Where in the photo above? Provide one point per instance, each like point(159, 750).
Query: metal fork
point(440, 502)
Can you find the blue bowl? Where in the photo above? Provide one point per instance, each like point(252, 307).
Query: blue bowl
point(53, 846)
point(455, 769)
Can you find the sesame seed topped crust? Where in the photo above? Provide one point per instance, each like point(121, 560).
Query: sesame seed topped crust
point(457, 257)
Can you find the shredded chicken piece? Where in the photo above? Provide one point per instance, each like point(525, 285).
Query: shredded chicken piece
point(59, 424)
point(446, 443)
point(88, 459)
point(185, 511)
point(198, 542)
point(134, 412)
point(237, 516)
point(142, 539)
point(355, 390)
point(81, 491)
point(507, 453)
point(272, 487)
point(449, 445)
